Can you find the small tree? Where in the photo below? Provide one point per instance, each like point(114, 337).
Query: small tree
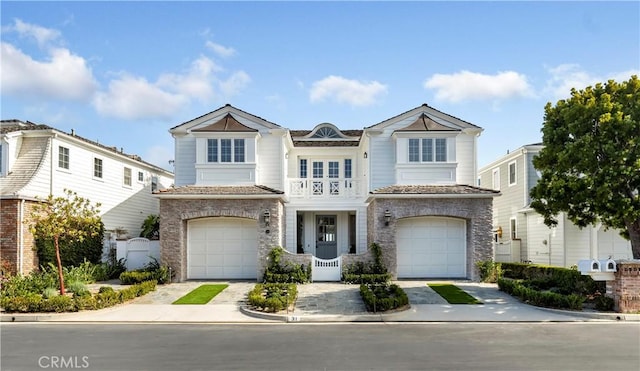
point(151, 227)
point(59, 218)
point(590, 163)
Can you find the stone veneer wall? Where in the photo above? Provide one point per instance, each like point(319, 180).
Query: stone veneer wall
point(625, 290)
point(175, 213)
point(476, 211)
point(10, 230)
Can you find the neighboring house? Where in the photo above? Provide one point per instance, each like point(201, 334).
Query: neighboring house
point(245, 185)
point(37, 160)
point(519, 231)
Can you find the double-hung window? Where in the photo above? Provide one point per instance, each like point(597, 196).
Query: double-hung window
point(63, 157)
point(225, 150)
point(97, 167)
point(126, 176)
point(428, 150)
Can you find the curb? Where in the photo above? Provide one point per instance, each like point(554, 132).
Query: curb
point(630, 317)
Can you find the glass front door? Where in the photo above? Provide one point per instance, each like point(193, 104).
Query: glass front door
point(326, 237)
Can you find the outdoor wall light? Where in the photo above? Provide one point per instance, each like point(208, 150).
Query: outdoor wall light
point(499, 232)
point(266, 216)
point(387, 217)
point(366, 155)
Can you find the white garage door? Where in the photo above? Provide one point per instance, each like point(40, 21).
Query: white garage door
point(222, 248)
point(431, 247)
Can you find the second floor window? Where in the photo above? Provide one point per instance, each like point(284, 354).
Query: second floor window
point(97, 167)
point(63, 157)
point(225, 150)
point(140, 176)
point(303, 168)
point(512, 173)
point(428, 150)
point(127, 176)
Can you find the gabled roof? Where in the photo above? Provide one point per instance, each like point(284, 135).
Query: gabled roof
point(424, 123)
point(227, 124)
point(185, 126)
point(432, 112)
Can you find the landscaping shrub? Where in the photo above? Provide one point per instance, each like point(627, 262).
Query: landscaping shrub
point(363, 273)
point(489, 270)
point(273, 297)
point(566, 281)
point(106, 297)
point(383, 297)
point(532, 296)
point(604, 303)
point(287, 272)
point(153, 271)
point(73, 253)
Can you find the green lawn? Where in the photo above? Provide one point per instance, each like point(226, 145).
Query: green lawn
point(453, 294)
point(201, 295)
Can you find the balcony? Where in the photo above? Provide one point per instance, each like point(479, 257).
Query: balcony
point(325, 188)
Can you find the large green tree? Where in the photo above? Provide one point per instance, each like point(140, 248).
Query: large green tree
point(590, 163)
point(62, 218)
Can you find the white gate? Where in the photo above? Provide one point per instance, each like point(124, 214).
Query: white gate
point(326, 269)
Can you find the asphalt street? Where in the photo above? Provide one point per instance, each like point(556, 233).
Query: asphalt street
point(371, 346)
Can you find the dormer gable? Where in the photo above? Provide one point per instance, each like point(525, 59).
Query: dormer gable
point(228, 124)
point(425, 124)
point(326, 134)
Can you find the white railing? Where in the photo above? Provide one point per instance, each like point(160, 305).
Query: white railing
point(326, 187)
point(326, 269)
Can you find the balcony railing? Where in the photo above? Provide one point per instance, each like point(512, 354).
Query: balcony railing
point(326, 187)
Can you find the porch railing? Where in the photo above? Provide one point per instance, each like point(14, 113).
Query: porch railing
point(325, 187)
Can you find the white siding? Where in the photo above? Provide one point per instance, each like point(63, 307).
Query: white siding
point(382, 161)
point(545, 244)
point(269, 169)
point(611, 244)
point(185, 171)
point(577, 243)
point(466, 159)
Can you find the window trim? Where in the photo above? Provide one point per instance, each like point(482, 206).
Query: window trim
point(62, 160)
point(421, 157)
point(101, 175)
point(493, 179)
point(513, 228)
point(515, 173)
point(218, 155)
point(124, 177)
point(139, 174)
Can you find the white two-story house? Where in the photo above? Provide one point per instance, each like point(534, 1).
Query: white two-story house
point(38, 160)
point(519, 231)
point(245, 185)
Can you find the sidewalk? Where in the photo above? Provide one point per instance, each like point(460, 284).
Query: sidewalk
point(320, 302)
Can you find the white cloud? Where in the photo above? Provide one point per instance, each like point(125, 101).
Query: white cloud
point(466, 85)
point(134, 98)
point(195, 83)
point(564, 77)
point(64, 76)
point(41, 34)
point(341, 90)
point(220, 50)
point(235, 83)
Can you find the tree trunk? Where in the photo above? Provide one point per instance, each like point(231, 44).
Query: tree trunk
point(60, 275)
point(634, 235)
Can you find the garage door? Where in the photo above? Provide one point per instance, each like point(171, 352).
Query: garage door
point(431, 247)
point(222, 248)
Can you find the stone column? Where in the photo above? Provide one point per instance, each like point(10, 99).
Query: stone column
point(625, 289)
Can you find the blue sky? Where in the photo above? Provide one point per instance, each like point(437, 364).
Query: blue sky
point(123, 73)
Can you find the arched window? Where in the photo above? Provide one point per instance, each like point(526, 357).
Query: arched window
point(325, 132)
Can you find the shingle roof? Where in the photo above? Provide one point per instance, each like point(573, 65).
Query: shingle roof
point(220, 190)
point(457, 189)
point(297, 136)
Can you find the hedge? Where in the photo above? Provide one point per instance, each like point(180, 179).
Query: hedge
point(383, 297)
point(273, 297)
point(540, 298)
point(106, 297)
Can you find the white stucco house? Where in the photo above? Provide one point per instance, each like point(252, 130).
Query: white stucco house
point(244, 185)
point(38, 160)
point(519, 231)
